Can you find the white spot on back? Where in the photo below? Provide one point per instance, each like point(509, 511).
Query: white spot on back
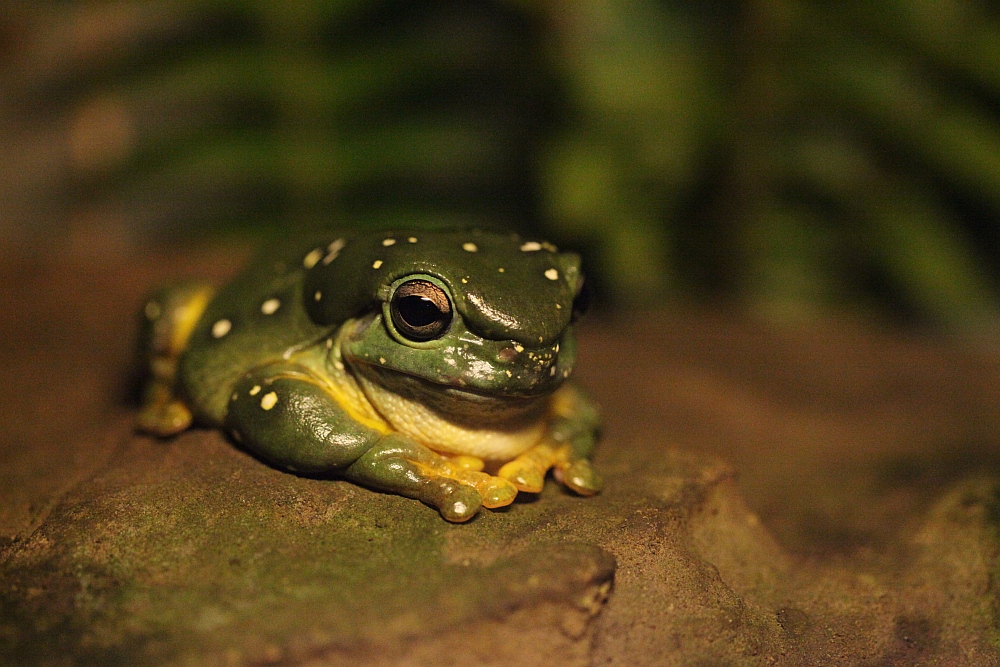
point(500, 269)
point(318, 295)
point(469, 247)
point(377, 263)
point(389, 242)
point(270, 306)
point(381, 360)
point(153, 310)
point(221, 328)
point(519, 347)
point(254, 390)
point(333, 250)
point(412, 239)
point(552, 274)
point(269, 400)
point(310, 260)
point(531, 246)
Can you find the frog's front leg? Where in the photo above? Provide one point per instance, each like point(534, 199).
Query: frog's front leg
point(287, 416)
point(396, 463)
point(572, 434)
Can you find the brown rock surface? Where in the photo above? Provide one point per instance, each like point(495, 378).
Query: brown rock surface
point(862, 528)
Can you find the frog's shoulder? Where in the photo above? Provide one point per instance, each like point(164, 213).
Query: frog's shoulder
point(256, 319)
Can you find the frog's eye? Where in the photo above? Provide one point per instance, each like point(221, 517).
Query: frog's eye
point(420, 310)
point(581, 302)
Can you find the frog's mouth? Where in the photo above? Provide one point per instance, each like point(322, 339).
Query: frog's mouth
point(453, 399)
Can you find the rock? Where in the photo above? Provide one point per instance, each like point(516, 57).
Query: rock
point(191, 552)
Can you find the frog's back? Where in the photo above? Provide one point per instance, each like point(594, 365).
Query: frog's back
point(256, 319)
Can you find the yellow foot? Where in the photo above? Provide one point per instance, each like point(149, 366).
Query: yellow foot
point(459, 503)
point(579, 476)
point(495, 491)
point(164, 418)
point(464, 462)
point(527, 471)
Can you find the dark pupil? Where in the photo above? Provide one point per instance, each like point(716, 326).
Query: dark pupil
point(420, 310)
point(417, 311)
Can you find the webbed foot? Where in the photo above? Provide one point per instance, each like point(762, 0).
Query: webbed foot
point(457, 487)
point(164, 420)
point(495, 491)
point(527, 472)
point(579, 476)
point(162, 414)
point(455, 501)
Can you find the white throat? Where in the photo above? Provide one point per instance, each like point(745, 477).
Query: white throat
point(412, 418)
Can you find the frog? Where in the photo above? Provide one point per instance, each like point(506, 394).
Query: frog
point(431, 364)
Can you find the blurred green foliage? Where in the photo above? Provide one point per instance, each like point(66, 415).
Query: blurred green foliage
point(792, 155)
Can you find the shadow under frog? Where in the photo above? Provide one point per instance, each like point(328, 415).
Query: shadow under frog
point(429, 364)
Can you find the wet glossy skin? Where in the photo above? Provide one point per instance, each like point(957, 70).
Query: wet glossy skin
point(430, 364)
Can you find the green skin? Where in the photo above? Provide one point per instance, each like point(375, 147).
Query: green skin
point(269, 350)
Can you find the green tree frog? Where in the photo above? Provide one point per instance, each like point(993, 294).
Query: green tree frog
point(431, 364)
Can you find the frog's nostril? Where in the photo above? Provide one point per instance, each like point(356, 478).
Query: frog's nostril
point(507, 354)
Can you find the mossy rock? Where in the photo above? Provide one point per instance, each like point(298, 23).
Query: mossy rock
point(192, 552)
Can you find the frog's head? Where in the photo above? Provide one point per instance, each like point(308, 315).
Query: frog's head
point(470, 314)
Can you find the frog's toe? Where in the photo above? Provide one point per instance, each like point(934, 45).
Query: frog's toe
point(523, 475)
point(495, 492)
point(498, 492)
point(464, 462)
point(580, 476)
point(165, 418)
point(458, 502)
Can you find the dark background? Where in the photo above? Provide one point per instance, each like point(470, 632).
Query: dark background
point(796, 157)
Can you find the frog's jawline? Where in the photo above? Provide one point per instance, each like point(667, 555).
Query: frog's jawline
point(456, 402)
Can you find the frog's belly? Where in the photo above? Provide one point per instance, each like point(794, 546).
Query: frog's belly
point(438, 433)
